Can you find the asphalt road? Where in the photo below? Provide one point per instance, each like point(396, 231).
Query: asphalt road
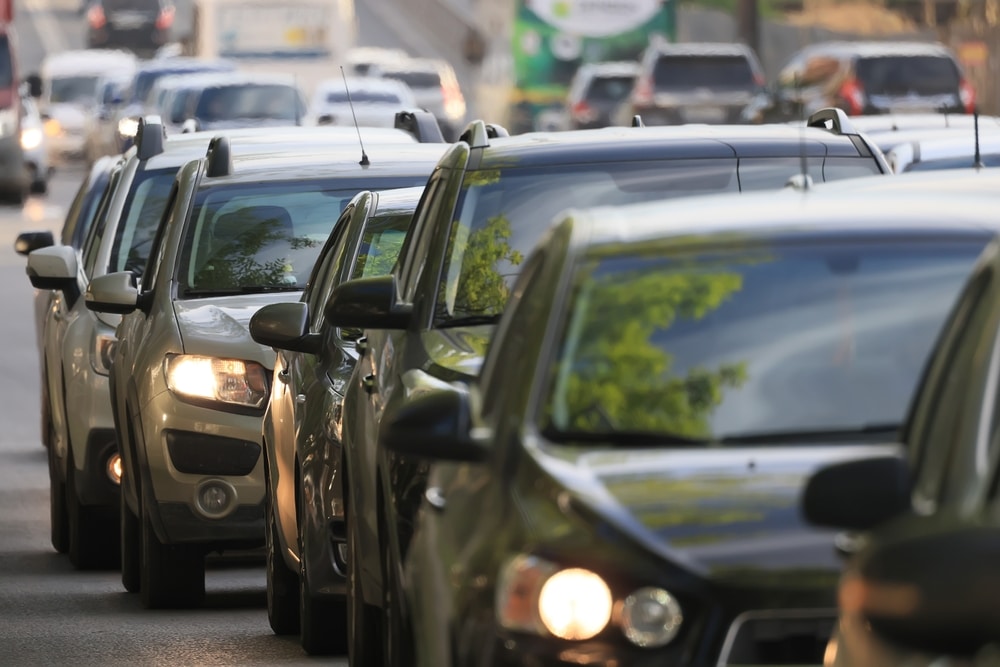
point(49, 613)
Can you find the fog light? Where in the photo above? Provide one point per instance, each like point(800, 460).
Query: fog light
point(215, 498)
point(651, 617)
point(114, 468)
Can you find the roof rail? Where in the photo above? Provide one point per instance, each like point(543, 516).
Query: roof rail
point(838, 121)
point(220, 158)
point(637, 121)
point(478, 133)
point(421, 124)
point(149, 137)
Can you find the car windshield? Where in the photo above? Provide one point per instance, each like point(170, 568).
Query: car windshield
point(610, 88)
point(963, 162)
point(673, 73)
point(258, 237)
point(903, 75)
point(6, 63)
point(783, 337)
point(81, 89)
point(140, 218)
point(259, 102)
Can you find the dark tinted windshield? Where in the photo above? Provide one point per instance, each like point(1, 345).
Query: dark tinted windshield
point(6, 63)
point(716, 72)
point(73, 89)
point(139, 220)
point(416, 79)
point(610, 88)
point(902, 75)
point(263, 102)
point(363, 97)
point(785, 337)
point(145, 6)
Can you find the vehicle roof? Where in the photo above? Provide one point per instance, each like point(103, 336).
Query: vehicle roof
point(951, 183)
point(820, 211)
point(413, 65)
point(88, 61)
point(677, 141)
point(616, 68)
point(398, 200)
point(874, 123)
point(184, 64)
point(702, 49)
point(360, 83)
point(324, 133)
point(875, 48)
point(956, 146)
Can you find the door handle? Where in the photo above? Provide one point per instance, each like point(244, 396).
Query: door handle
point(300, 398)
point(435, 498)
point(283, 375)
point(368, 382)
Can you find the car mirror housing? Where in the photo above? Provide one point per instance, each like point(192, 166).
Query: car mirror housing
point(285, 326)
point(34, 82)
point(27, 242)
point(436, 425)
point(858, 495)
point(368, 303)
point(54, 267)
point(112, 293)
point(929, 584)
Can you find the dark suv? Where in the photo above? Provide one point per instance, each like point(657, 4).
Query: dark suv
point(141, 26)
point(697, 83)
point(872, 78)
point(596, 92)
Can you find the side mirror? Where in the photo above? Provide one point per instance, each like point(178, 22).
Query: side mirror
point(34, 85)
point(285, 326)
point(858, 495)
point(928, 584)
point(112, 293)
point(368, 303)
point(436, 425)
point(29, 241)
point(54, 267)
point(325, 119)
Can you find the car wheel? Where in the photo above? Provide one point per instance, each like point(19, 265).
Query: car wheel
point(393, 630)
point(93, 536)
point(282, 583)
point(131, 547)
point(364, 636)
point(322, 619)
point(171, 575)
point(57, 503)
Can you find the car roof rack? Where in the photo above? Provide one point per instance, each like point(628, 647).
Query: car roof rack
point(833, 119)
point(478, 133)
point(637, 121)
point(421, 124)
point(220, 157)
point(149, 137)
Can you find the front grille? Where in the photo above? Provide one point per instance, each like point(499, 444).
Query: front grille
point(201, 454)
point(778, 637)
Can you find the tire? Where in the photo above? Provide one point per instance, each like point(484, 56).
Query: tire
point(322, 619)
point(282, 583)
point(57, 504)
point(93, 535)
point(131, 546)
point(172, 576)
point(364, 634)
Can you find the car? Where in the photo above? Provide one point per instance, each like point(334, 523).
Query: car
point(101, 130)
point(434, 86)
point(367, 101)
point(872, 77)
point(141, 26)
point(696, 82)
point(14, 176)
point(34, 145)
point(953, 152)
point(228, 101)
point(237, 233)
point(490, 199)
point(622, 479)
point(307, 566)
point(360, 59)
point(596, 91)
point(922, 524)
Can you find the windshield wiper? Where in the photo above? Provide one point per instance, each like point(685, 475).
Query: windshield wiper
point(470, 321)
point(865, 432)
point(630, 438)
point(250, 289)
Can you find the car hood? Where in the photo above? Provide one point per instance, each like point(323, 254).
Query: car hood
point(728, 514)
point(457, 353)
point(219, 327)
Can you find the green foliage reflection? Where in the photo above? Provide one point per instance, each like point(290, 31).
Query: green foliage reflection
point(480, 288)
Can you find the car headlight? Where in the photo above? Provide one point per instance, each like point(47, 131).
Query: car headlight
point(53, 128)
point(128, 127)
point(102, 352)
point(8, 122)
point(31, 138)
point(228, 381)
point(650, 617)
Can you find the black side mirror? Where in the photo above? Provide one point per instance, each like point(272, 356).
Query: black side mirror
point(285, 326)
point(368, 303)
point(858, 495)
point(28, 241)
point(436, 425)
point(34, 85)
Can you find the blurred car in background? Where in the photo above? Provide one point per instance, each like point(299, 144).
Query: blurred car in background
point(34, 144)
point(435, 88)
point(890, 130)
point(141, 26)
point(100, 136)
point(596, 92)
point(375, 101)
point(872, 78)
point(360, 59)
point(936, 153)
point(233, 100)
point(697, 83)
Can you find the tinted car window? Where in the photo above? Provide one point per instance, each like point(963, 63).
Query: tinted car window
point(6, 65)
point(610, 88)
point(689, 72)
point(261, 102)
point(416, 79)
point(131, 5)
point(73, 89)
point(143, 209)
point(769, 338)
point(380, 245)
point(902, 75)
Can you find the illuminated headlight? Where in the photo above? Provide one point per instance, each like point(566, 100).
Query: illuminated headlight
point(102, 352)
point(52, 128)
point(537, 596)
point(8, 122)
point(229, 381)
point(128, 127)
point(31, 138)
point(650, 617)
point(114, 468)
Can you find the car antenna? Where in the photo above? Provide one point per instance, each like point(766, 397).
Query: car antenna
point(978, 163)
point(364, 156)
point(803, 158)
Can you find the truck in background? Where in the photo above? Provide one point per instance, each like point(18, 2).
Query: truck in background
point(14, 178)
point(305, 38)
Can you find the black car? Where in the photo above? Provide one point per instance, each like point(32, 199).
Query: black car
point(596, 92)
point(865, 78)
point(621, 484)
point(302, 422)
point(487, 203)
point(141, 26)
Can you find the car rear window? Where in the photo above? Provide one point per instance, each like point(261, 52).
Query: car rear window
point(416, 79)
point(6, 63)
point(131, 5)
point(610, 88)
point(903, 75)
point(259, 102)
point(715, 72)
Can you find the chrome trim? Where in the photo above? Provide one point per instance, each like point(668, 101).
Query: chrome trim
point(768, 615)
